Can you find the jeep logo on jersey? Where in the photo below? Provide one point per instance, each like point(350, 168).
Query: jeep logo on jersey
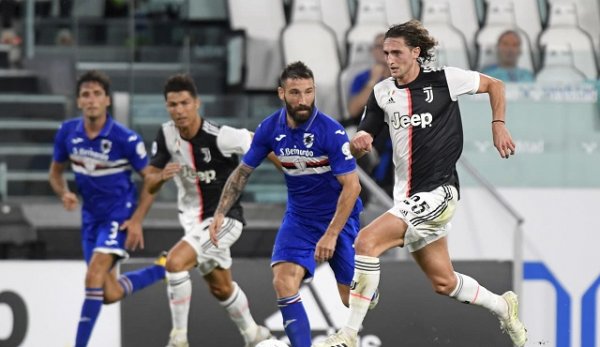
point(206, 176)
point(203, 176)
point(309, 139)
point(423, 120)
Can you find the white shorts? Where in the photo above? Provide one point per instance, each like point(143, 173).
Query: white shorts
point(209, 256)
point(427, 215)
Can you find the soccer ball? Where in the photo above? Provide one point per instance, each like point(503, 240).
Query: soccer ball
point(272, 343)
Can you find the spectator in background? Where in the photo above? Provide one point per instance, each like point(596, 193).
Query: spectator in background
point(363, 83)
point(508, 51)
point(10, 39)
point(382, 170)
point(64, 38)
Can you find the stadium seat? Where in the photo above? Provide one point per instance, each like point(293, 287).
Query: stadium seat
point(463, 17)
point(263, 21)
point(371, 20)
point(322, 58)
point(500, 18)
point(333, 13)
point(451, 49)
point(398, 11)
point(360, 52)
point(563, 29)
point(559, 65)
point(588, 17)
point(371, 12)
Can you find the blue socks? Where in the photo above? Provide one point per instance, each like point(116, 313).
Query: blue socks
point(140, 279)
point(89, 314)
point(94, 297)
point(295, 320)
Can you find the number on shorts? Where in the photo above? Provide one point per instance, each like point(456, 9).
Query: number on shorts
point(114, 229)
point(415, 206)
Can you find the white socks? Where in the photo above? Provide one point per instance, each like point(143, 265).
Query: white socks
point(179, 290)
point(239, 311)
point(364, 284)
point(469, 291)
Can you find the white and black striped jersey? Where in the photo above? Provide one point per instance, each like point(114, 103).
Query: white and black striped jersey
point(206, 161)
point(425, 126)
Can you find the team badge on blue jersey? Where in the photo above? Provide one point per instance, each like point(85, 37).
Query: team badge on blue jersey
point(309, 139)
point(105, 145)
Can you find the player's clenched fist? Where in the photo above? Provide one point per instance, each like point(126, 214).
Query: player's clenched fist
point(361, 143)
point(69, 201)
point(170, 171)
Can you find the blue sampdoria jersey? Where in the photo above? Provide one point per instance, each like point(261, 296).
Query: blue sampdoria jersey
point(311, 155)
point(102, 166)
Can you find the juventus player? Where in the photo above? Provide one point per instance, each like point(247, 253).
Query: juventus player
point(199, 156)
point(322, 216)
point(421, 109)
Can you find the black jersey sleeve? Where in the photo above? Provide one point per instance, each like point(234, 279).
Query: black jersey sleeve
point(373, 118)
point(160, 153)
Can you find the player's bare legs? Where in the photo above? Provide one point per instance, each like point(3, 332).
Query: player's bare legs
point(385, 232)
point(181, 257)
point(344, 291)
point(98, 271)
point(113, 291)
point(287, 278)
point(435, 261)
point(220, 283)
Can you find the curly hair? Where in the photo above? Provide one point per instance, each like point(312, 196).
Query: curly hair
point(415, 35)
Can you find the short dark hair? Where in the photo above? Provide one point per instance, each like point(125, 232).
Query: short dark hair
point(415, 35)
point(180, 83)
point(509, 32)
point(94, 76)
point(295, 70)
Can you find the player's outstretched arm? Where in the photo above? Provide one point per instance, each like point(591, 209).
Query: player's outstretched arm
point(231, 193)
point(502, 139)
point(348, 196)
point(60, 187)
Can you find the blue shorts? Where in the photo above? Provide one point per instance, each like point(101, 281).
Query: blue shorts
point(297, 239)
point(104, 235)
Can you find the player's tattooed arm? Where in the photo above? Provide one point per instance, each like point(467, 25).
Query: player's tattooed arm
point(233, 188)
point(231, 192)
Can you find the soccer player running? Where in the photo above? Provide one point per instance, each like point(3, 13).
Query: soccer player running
point(199, 156)
point(102, 154)
point(421, 108)
point(322, 216)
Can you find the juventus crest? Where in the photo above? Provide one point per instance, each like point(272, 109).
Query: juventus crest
point(428, 94)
